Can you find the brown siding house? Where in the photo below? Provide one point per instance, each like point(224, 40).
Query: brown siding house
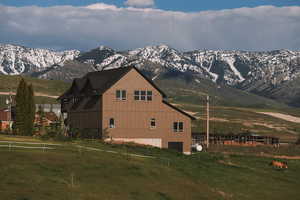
point(128, 107)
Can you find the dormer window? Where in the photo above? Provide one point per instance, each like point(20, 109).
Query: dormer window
point(121, 95)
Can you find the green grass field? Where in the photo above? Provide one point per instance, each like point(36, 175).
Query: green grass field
point(67, 173)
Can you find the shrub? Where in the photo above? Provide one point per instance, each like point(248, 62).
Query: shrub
point(62, 138)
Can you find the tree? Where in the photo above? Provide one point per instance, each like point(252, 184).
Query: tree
point(41, 121)
point(25, 109)
point(21, 107)
point(30, 110)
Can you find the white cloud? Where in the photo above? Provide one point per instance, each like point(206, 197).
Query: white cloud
point(102, 6)
point(65, 27)
point(140, 3)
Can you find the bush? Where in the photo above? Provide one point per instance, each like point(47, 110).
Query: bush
point(62, 138)
point(45, 137)
point(84, 133)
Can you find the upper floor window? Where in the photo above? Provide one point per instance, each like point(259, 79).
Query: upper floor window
point(65, 100)
point(178, 126)
point(121, 94)
point(143, 95)
point(111, 123)
point(149, 95)
point(152, 123)
point(75, 100)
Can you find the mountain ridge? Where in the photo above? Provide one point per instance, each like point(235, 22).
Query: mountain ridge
point(265, 73)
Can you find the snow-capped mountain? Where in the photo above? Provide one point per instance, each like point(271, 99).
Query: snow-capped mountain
point(226, 67)
point(257, 72)
point(17, 59)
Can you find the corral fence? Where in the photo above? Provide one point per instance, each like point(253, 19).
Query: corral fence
point(27, 145)
point(242, 140)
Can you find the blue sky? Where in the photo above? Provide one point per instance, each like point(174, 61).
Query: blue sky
point(255, 25)
point(176, 5)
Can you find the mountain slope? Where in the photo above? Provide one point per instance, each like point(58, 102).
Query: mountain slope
point(16, 60)
point(270, 74)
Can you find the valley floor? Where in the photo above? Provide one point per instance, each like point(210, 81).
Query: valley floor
point(283, 116)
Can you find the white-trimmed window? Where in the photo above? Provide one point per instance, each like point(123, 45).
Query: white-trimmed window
point(149, 95)
point(121, 95)
point(152, 123)
point(143, 95)
point(178, 126)
point(112, 123)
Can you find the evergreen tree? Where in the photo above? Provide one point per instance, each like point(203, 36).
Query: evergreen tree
point(41, 113)
point(25, 109)
point(30, 110)
point(21, 107)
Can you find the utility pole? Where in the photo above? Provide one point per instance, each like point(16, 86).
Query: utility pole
point(207, 122)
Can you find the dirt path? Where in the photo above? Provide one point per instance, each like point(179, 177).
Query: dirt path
point(36, 94)
point(282, 116)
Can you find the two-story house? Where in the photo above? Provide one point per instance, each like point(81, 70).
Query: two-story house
point(127, 106)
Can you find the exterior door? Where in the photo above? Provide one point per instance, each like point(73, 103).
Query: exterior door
point(177, 146)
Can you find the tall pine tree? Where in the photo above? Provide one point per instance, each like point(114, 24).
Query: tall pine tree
point(25, 109)
point(21, 107)
point(30, 110)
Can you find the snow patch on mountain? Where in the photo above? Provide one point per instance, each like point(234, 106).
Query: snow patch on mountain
point(230, 62)
point(17, 59)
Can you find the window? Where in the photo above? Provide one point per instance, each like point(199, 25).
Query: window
point(65, 100)
point(149, 95)
point(136, 95)
point(75, 100)
point(121, 95)
point(142, 95)
point(111, 123)
point(152, 123)
point(178, 126)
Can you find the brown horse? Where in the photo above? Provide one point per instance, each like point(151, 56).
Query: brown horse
point(278, 164)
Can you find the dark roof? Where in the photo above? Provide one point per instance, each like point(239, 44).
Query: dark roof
point(101, 81)
point(179, 110)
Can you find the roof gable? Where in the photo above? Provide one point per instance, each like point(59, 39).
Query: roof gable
point(151, 82)
point(101, 81)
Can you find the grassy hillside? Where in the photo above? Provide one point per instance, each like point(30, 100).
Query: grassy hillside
point(235, 120)
point(180, 89)
point(50, 87)
point(45, 87)
point(67, 173)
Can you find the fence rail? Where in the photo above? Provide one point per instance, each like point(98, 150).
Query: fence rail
point(30, 143)
point(25, 147)
point(235, 140)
